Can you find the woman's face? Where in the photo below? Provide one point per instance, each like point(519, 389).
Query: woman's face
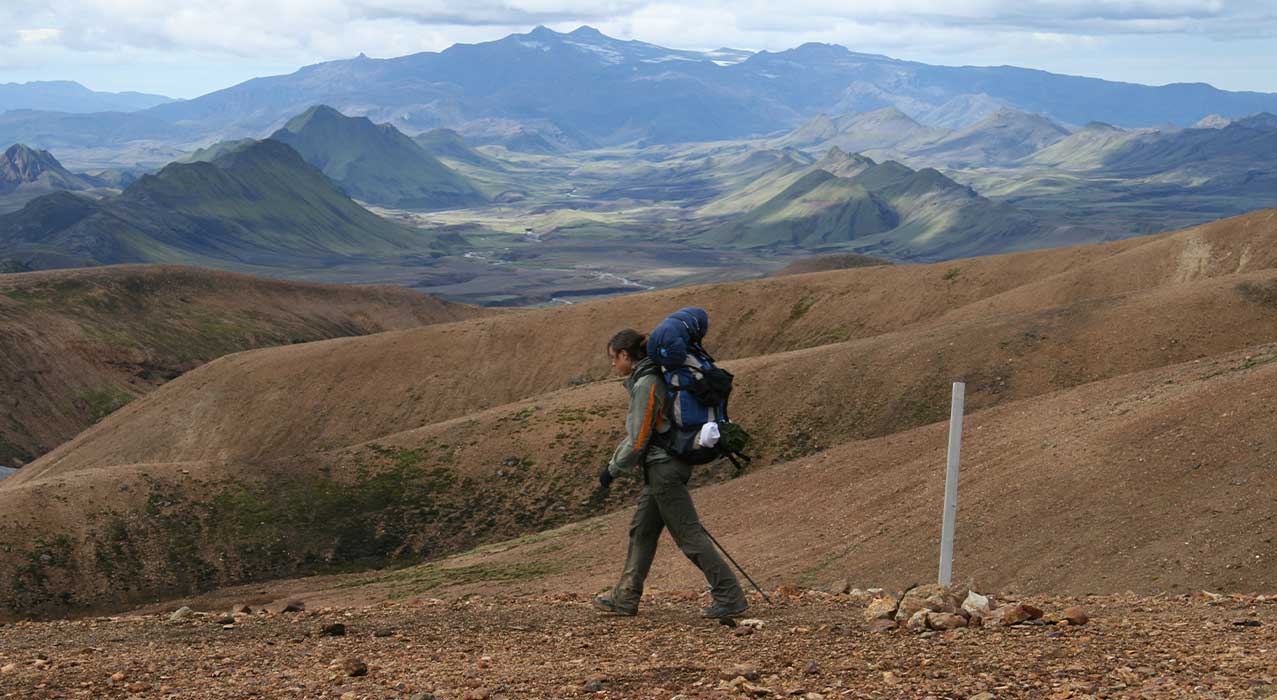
point(621, 362)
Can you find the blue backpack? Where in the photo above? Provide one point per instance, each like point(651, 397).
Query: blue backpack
point(698, 390)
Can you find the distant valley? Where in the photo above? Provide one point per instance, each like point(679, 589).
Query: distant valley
point(367, 171)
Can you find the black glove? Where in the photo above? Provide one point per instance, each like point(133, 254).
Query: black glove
point(605, 477)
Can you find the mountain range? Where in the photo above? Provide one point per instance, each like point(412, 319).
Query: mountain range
point(70, 96)
point(582, 89)
point(259, 204)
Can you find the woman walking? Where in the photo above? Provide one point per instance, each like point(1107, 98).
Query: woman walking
point(665, 501)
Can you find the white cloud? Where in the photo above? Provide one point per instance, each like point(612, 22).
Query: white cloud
point(88, 33)
point(38, 36)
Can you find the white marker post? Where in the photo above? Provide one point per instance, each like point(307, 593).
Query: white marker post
point(951, 485)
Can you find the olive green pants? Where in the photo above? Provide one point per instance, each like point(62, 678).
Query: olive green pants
point(666, 503)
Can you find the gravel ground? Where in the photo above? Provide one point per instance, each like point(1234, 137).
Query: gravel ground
point(811, 645)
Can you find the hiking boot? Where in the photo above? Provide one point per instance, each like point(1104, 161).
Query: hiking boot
point(606, 605)
point(719, 611)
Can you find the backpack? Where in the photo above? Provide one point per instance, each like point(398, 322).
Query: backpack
point(698, 391)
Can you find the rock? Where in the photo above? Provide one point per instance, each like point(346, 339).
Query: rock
point(882, 625)
point(8, 668)
point(1076, 616)
point(982, 696)
point(594, 683)
point(244, 609)
point(812, 668)
point(478, 694)
point(743, 631)
point(933, 597)
point(422, 696)
point(226, 620)
point(1008, 615)
point(977, 605)
point(336, 629)
point(384, 633)
point(918, 621)
point(182, 613)
point(945, 621)
point(294, 607)
point(353, 667)
point(882, 608)
point(118, 677)
point(747, 671)
point(840, 587)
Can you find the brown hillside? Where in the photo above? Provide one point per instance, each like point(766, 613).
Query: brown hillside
point(77, 344)
point(332, 394)
point(1153, 481)
point(134, 508)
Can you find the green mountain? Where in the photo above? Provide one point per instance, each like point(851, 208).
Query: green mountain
point(216, 150)
point(818, 209)
point(1003, 137)
point(447, 144)
point(258, 205)
point(1087, 148)
point(886, 129)
point(376, 163)
point(849, 202)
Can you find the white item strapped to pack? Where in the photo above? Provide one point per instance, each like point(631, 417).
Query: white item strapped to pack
point(708, 436)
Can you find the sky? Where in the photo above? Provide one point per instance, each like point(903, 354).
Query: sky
point(184, 49)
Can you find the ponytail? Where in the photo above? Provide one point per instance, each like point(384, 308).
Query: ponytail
point(631, 341)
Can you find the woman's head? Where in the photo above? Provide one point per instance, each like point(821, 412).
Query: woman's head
point(625, 349)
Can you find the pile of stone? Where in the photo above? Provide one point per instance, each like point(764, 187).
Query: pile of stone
point(936, 608)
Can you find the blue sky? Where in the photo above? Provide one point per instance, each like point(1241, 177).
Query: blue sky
point(188, 49)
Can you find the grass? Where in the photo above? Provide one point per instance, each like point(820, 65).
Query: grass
point(104, 401)
point(368, 521)
point(1262, 294)
point(801, 307)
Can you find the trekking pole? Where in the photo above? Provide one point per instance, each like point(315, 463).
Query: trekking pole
point(738, 566)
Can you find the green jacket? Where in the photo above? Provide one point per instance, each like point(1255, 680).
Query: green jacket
point(645, 421)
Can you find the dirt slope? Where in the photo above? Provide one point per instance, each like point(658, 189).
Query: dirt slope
point(326, 395)
point(77, 344)
point(174, 494)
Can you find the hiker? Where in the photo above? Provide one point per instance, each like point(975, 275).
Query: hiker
point(665, 501)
